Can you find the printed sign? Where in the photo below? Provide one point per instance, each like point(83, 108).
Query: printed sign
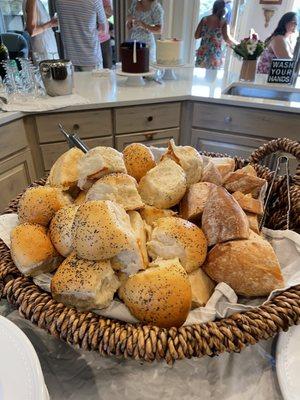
point(281, 71)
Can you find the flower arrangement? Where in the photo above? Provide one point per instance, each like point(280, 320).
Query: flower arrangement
point(250, 48)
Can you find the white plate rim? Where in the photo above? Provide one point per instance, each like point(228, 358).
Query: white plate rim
point(128, 74)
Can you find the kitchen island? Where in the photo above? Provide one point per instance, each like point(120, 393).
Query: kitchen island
point(193, 110)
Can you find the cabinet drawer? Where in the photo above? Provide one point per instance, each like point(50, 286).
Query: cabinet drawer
point(156, 138)
point(12, 138)
point(231, 144)
point(16, 173)
point(146, 118)
point(87, 124)
point(52, 151)
point(249, 121)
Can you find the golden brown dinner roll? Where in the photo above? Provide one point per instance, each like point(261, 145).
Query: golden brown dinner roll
point(163, 186)
point(178, 238)
point(248, 203)
point(101, 230)
point(188, 158)
point(160, 295)
point(39, 204)
point(250, 266)
point(140, 231)
point(244, 180)
point(253, 222)
point(84, 284)
point(99, 162)
point(60, 230)
point(81, 198)
point(151, 214)
point(211, 174)
point(121, 188)
point(202, 287)
point(32, 251)
point(192, 204)
point(64, 172)
point(138, 160)
point(223, 219)
point(224, 165)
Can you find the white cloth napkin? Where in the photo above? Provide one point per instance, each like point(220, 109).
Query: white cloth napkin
point(46, 103)
point(223, 302)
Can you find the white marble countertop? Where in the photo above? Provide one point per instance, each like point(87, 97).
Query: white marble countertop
point(193, 84)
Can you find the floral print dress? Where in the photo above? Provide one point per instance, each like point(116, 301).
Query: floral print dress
point(152, 17)
point(210, 52)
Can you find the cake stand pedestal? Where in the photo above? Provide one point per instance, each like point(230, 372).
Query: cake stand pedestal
point(136, 79)
point(169, 71)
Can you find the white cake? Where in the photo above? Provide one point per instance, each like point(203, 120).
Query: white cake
point(169, 52)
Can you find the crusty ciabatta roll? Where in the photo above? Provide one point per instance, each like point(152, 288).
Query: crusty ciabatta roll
point(224, 165)
point(121, 188)
point(32, 251)
point(160, 296)
point(99, 162)
point(151, 214)
point(211, 174)
point(64, 172)
point(60, 230)
point(101, 230)
point(202, 287)
point(188, 158)
point(193, 202)
point(223, 218)
point(178, 238)
point(250, 266)
point(253, 222)
point(138, 160)
point(84, 284)
point(244, 180)
point(163, 186)
point(248, 203)
point(39, 204)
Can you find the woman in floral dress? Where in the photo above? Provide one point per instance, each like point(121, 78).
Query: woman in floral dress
point(213, 31)
point(145, 18)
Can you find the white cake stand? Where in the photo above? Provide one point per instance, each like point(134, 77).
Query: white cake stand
point(168, 71)
point(136, 79)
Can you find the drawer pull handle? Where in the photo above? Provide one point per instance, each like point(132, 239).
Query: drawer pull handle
point(228, 119)
point(150, 119)
point(149, 136)
point(76, 127)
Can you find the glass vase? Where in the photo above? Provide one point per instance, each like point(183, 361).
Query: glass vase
point(248, 70)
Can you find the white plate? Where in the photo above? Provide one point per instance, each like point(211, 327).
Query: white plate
point(21, 375)
point(128, 74)
point(163, 66)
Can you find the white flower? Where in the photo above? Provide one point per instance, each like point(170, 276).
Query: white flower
point(251, 47)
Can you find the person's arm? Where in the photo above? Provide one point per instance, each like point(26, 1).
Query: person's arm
point(157, 16)
point(101, 17)
point(226, 35)
point(279, 47)
point(108, 8)
point(199, 29)
point(31, 20)
point(151, 28)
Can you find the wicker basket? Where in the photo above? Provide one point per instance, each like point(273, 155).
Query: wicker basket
point(142, 342)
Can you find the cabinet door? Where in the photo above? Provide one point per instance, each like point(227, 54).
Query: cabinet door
point(156, 138)
point(16, 173)
point(231, 144)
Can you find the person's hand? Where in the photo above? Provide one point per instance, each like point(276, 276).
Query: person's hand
point(140, 24)
point(53, 22)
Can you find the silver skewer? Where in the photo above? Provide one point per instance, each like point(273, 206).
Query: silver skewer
point(283, 160)
point(73, 140)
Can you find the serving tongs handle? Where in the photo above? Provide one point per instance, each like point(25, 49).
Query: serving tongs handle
point(73, 140)
point(282, 161)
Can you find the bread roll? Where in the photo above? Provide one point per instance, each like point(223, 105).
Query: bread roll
point(224, 165)
point(223, 219)
point(163, 186)
point(160, 296)
point(84, 284)
point(139, 230)
point(151, 214)
point(188, 158)
point(138, 160)
point(250, 266)
point(81, 198)
point(193, 202)
point(101, 230)
point(64, 172)
point(211, 174)
point(202, 288)
point(39, 204)
point(249, 204)
point(60, 230)
point(178, 238)
point(99, 162)
point(121, 188)
point(253, 222)
point(32, 251)
point(244, 180)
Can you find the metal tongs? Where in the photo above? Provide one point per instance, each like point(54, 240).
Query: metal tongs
point(282, 161)
point(73, 140)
